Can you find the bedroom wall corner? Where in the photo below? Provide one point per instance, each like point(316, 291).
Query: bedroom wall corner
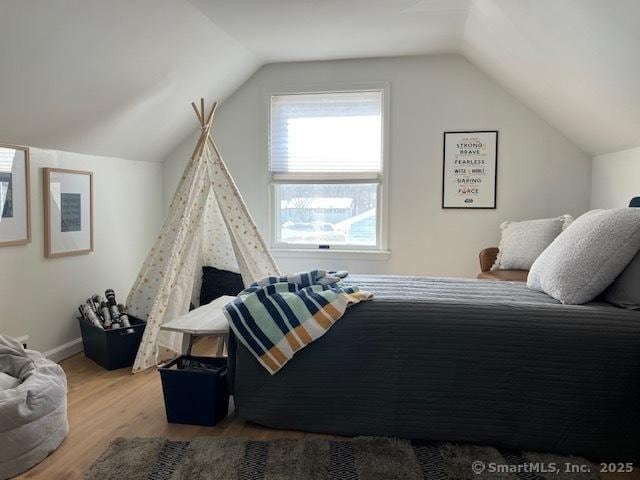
point(173, 167)
point(39, 296)
point(615, 179)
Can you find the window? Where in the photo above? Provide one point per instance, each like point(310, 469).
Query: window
point(326, 168)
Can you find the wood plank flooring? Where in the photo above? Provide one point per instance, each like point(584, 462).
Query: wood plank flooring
point(104, 405)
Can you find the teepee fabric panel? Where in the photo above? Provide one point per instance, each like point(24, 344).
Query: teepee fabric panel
point(207, 224)
point(180, 297)
point(166, 281)
point(217, 249)
point(253, 256)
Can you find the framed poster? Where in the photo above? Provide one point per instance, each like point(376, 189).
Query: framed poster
point(470, 169)
point(15, 207)
point(68, 212)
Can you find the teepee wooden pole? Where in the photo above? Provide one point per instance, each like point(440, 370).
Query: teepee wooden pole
point(212, 113)
point(195, 109)
point(206, 127)
point(198, 150)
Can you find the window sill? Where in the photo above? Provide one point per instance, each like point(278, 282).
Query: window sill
point(379, 255)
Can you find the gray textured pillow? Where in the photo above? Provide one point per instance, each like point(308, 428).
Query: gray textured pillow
point(587, 257)
point(523, 242)
point(625, 290)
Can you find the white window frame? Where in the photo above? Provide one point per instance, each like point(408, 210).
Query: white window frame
point(382, 207)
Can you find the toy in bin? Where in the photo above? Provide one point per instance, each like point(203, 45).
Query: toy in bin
point(110, 336)
point(105, 314)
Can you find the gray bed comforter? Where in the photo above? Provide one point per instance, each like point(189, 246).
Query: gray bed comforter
point(465, 361)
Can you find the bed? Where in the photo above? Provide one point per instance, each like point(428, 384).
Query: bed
point(465, 361)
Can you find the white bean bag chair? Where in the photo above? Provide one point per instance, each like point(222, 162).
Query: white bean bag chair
point(33, 407)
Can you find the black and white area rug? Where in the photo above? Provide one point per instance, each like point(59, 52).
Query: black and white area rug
point(363, 458)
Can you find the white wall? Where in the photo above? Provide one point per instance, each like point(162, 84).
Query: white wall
point(40, 296)
point(174, 165)
point(616, 179)
point(540, 172)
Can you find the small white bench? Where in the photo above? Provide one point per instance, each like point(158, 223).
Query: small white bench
point(207, 320)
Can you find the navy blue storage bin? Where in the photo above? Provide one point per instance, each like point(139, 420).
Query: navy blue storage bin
point(195, 390)
point(112, 349)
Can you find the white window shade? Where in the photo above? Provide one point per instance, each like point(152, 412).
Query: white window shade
point(332, 135)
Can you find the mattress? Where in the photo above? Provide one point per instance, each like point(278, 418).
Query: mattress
point(464, 361)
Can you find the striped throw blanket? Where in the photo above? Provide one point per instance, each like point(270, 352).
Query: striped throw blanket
point(277, 316)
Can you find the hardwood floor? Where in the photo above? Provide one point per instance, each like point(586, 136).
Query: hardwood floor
point(104, 405)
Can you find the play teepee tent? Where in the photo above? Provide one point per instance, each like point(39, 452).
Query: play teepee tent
point(208, 224)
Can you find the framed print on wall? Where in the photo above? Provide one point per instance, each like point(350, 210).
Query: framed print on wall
point(68, 212)
point(15, 208)
point(470, 169)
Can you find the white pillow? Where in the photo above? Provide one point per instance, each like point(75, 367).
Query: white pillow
point(523, 242)
point(588, 256)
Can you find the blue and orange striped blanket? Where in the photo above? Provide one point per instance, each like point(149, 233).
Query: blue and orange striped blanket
point(277, 316)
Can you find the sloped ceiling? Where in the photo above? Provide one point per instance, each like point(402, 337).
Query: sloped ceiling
point(294, 30)
point(110, 77)
point(115, 77)
point(575, 62)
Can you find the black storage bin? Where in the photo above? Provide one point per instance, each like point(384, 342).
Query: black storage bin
point(196, 396)
point(112, 348)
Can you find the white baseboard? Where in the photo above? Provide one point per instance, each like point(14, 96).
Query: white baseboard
point(64, 351)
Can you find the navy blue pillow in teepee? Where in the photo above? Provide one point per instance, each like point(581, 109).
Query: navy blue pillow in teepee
point(216, 283)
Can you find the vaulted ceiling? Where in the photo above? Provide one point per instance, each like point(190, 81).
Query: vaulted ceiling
point(575, 62)
point(111, 77)
point(115, 77)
